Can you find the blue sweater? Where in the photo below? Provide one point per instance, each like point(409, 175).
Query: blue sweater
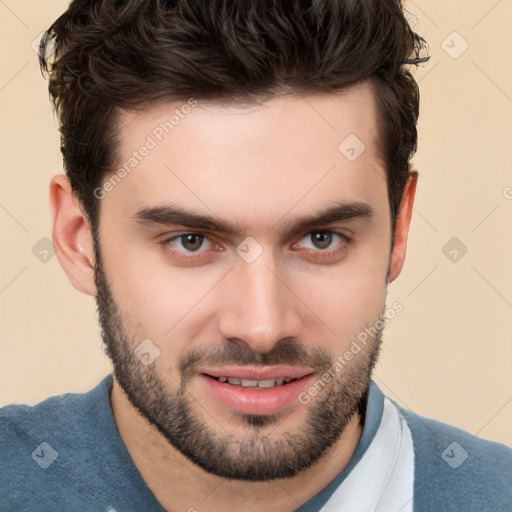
point(65, 454)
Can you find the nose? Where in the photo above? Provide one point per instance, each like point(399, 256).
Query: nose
point(262, 308)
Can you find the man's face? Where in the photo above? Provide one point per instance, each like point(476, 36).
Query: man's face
point(258, 303)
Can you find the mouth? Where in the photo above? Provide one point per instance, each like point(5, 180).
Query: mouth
point(247, 383)
point(256, 390)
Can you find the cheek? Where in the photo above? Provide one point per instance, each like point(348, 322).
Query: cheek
point(160, 302)
point(346, 298)
point(160, 297)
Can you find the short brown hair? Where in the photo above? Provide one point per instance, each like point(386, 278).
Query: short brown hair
point(114, 55)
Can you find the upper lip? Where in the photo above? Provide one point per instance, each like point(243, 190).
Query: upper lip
point(258, 372)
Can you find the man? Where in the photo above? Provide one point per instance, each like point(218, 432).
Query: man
point(237, 197)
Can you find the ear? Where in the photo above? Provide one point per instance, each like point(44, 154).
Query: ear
point(72, 235)
point(403, 221)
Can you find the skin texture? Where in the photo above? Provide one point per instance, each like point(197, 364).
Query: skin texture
point(260, 167)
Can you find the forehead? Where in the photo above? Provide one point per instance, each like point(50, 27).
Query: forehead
point(290, 152)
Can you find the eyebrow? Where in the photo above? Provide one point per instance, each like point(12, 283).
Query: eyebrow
point(171, 215)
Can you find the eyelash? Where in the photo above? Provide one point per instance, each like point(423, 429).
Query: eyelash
point(324, 254)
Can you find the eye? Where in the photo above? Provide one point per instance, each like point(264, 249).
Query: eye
point(323, 239)
point(188, 242)
point(189, 248)
point(323, 246)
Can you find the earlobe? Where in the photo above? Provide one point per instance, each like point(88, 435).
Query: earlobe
point(402, 224)
point(71, 235)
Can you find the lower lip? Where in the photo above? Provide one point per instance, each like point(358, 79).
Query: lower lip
point(256, 400)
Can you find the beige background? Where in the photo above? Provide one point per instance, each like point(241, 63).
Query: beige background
point(446, 355)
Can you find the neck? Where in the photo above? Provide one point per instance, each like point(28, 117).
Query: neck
point(165, 469)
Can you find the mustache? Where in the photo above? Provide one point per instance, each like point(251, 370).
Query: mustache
point(288, 351)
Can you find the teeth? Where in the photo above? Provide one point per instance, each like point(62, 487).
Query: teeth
point(249, 383)
point(265, 384)
point(270, 383)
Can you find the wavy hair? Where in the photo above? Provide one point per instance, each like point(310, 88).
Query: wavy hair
point(105, 56)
